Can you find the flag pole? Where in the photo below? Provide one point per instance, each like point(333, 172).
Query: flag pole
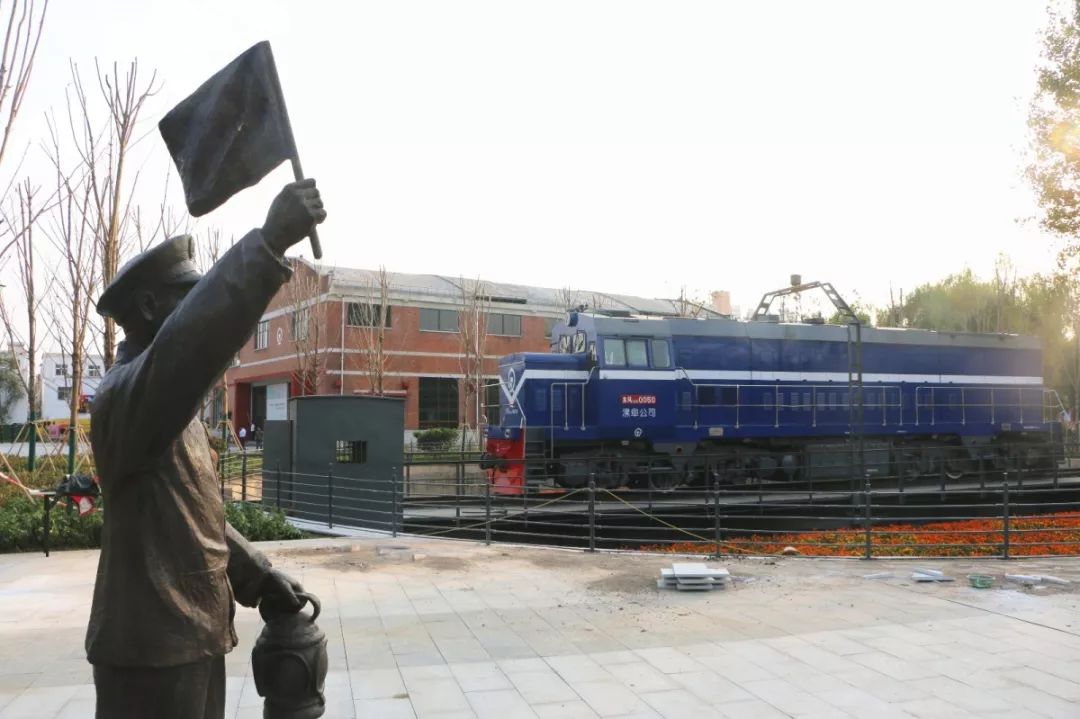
point(298, 172)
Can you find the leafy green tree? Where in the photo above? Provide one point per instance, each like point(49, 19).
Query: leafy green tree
point(1054, 121)
point(862, 311)
point(1044, 306)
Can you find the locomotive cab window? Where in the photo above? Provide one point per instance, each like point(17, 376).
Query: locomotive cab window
point(636, 353)
point(614, 353)
point(661, 356)
point(579, 342)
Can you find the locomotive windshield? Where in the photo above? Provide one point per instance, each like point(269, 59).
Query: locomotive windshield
point(661, 357)
point(614, 353)
point(635, 353)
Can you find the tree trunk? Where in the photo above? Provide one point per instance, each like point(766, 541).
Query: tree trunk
point(76, 393)
point(108, 351)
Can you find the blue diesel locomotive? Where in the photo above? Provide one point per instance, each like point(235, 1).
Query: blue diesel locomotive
point(662, 403)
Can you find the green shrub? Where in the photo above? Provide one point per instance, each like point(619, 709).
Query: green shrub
point(437, 439)
point(259, 524)
point(48, 471)
point(22, 526)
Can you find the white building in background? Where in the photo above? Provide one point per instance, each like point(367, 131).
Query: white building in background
point(56, 386)
point(19, 411)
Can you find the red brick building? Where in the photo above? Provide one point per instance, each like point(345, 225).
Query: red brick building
point(323, 324)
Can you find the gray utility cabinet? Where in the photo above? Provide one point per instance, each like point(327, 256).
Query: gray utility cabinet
point(337, 460)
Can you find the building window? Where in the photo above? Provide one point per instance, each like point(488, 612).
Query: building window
point(438, 320)
point(262, 335)
point(61, 370)
point(505, 325)
point(549, 326)
point(438, 402)
point(351, 452)
point(63, 393)
point(365, 314)
point(492, 400)
point(300, 321)
point(93, 370)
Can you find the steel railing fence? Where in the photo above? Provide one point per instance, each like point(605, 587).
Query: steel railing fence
point(1024, 501)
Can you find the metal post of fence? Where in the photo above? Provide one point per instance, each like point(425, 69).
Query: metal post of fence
point(649, 483)
point(487, 512)
point(278, 486)
point(901, 473)
point(592, 512)
point(760, 493)
point(1005, 517)
point(221, 476)
point(1056, 467)
point(243, 478)
point(46, 528)
point(525, 504)
point(867, 519)
point(716, 514)
point(941, 474)
point(982, 478)
point(330, 495)
point(393, 501)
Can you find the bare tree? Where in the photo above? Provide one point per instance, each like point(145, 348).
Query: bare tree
point(21, 219)
point(25, 22)
point(472, 333)
point(23, 33)
point(688, 307)
point(208, 251)
point(105, 154)
point(598, 301)
point(308, 325)
point(72, 231)
point(372, 318)
point(567, 298)
point(165, 224)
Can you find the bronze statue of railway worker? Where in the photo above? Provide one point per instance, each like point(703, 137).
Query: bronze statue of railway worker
point(170, 565)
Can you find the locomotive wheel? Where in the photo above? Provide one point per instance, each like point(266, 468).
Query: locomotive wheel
point(664, 479)
point(908, 465)
point(957, 463)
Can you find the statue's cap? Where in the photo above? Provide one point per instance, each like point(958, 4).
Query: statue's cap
point(169, 263)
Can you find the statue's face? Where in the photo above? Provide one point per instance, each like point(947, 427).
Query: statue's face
point(156, 305)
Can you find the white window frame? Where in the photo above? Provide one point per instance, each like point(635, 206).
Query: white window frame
point(262, 335)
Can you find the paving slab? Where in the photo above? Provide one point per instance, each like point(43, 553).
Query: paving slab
point(467, 630)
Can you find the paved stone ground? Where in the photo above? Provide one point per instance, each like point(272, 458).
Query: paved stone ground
point(451, 629)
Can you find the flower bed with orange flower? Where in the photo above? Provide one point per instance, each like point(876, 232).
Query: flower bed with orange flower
point(1048, 534)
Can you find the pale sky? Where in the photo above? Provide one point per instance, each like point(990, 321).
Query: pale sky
point(619, 145)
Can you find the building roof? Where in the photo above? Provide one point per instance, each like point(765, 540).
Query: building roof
point(530, 300)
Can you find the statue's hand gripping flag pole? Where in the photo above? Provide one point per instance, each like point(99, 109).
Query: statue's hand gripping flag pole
point(231, 132)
